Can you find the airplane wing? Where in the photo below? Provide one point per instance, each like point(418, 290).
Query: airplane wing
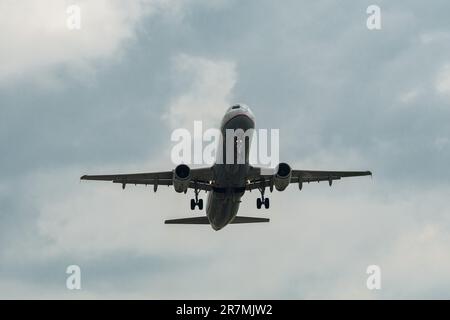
point(258, 180)
point(317, 175)
point(200, 178)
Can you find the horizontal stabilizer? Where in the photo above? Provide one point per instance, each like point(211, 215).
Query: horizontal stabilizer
point(249, 220)
point(204, 220)
point(195, 220)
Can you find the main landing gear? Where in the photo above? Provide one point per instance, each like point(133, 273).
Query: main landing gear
point(262, 201)
point(196, 202)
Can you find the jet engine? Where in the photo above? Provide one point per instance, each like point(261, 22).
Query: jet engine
point(282, 176)
point(181, 178)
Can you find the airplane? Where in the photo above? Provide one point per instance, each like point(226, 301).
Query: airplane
point(227, 183)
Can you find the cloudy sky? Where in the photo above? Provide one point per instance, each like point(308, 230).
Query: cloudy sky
point(105, 99)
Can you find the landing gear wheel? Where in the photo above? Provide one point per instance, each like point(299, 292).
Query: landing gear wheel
point(262, 201)
point(196, 202)
point(266, 203)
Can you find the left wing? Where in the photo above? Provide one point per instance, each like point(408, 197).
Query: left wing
point(317, 175)
point(200, 178)
point(257, 180)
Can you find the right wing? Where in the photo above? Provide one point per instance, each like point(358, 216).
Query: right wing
point(258, 180)
point(200, 178)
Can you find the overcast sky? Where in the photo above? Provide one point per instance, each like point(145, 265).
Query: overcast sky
point(105, 99)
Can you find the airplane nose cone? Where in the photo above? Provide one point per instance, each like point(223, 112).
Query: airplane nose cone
point(238, 120)
point(241, 121)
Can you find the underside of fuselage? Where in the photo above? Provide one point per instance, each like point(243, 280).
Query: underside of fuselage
point(223, 202)
point(222, 208)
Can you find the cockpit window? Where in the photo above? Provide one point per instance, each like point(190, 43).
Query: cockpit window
point(236, 107)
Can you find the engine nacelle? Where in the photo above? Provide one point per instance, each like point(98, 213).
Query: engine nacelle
point(181, 178)
point(282, 176)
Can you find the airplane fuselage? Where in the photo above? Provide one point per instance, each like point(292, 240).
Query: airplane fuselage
point(229, 186)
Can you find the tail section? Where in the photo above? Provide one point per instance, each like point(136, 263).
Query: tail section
point(249, 220)
point(195, 220)
point(204, 220)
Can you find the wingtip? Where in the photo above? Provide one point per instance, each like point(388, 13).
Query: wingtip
point(83, 177)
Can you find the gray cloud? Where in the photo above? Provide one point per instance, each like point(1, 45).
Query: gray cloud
point(343, 98)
